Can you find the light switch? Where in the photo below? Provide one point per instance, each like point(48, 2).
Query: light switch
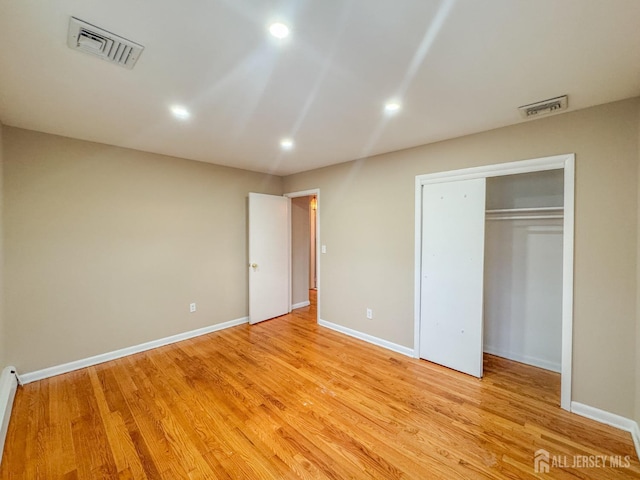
point(324, 249)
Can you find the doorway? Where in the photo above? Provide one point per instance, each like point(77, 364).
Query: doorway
point(305, 264)
point(452, 190)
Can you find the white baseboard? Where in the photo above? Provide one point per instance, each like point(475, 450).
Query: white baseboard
point(536, 362)
point(611, 419)
point(368, 338)
point(635, 434)
point(300, 305)
point(8, 387)
point(123, 352)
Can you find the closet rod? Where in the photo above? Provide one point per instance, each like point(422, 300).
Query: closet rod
point(525, 210)
point(523, 217)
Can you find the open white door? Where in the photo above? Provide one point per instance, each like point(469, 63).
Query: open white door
point(269, 255)
point(452, 274)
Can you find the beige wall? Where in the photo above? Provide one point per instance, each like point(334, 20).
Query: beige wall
point(367, 219)
point(2, 329)
point(300, 249)
point(106, 247)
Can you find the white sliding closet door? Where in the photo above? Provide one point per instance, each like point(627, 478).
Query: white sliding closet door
point(453, 219)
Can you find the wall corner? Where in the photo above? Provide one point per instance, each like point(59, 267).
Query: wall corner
point(3, 341)
point(637, 350)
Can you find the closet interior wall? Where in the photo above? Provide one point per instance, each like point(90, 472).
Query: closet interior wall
point(523, 268)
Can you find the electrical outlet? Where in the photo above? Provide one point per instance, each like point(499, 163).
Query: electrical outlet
point(192, 307)
point(369, 313)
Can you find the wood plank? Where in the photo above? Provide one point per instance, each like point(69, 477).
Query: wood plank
point(289, 399)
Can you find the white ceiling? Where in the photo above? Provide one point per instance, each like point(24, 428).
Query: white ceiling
point(458, 67)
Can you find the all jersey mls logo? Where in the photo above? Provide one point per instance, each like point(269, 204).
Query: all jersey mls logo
point(543, 461)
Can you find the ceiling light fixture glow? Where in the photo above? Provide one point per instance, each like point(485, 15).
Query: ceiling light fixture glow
point(180, 112)
point(279, 30)
point(392, 107)
point(286, 144)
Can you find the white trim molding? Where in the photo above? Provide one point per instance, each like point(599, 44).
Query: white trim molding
point(300, 305)
point(123, 352)
point(635, 434)
point(555, 162)
point(368, 338)
point(303, 193)
point(564, 162)
point(611, 419)
point(8, 387)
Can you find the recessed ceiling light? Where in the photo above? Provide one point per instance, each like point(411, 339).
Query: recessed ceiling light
point(286, 144)
point(279, 30)
point(392, 107)
point(180, 112)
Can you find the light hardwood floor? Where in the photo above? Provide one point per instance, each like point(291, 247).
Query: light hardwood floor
point(289, 399)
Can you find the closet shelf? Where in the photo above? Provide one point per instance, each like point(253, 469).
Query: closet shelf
point(534, 213)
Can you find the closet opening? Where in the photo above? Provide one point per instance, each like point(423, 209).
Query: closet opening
point(523, 268)
point(494, 266)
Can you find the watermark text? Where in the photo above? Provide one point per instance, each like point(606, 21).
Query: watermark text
point(543, 461)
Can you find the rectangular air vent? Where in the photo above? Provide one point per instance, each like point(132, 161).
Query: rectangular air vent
point(544, 107)
point(106, 45)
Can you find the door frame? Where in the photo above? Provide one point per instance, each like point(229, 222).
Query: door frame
point(307, 193)
point(564, 162)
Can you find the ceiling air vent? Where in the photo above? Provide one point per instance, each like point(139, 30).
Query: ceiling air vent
point(106, 45)
point(544, 107)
